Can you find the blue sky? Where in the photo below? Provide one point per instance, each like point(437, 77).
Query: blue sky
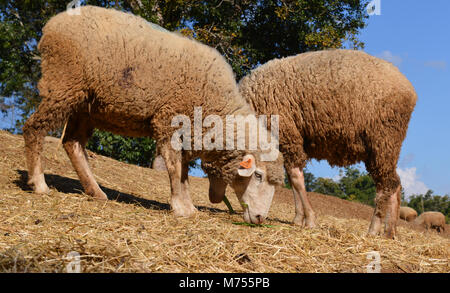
point(414, 35)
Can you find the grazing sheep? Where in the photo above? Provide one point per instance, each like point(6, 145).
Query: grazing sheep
point(343, 106)
point(113, 71)
point(408, 214)
point(431, 220)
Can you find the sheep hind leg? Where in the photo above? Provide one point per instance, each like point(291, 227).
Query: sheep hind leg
point(77, 134)
point(177, 168)
point(48, 117)
point(34, 138)
point(387, 205)
point(304, 214)
point(393, 213)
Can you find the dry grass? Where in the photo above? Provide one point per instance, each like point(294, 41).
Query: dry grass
point(137, 232)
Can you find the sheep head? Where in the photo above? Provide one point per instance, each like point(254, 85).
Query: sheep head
point(253, 182)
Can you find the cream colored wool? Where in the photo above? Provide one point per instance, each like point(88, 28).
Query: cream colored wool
point(111, 70)
point(343, 106)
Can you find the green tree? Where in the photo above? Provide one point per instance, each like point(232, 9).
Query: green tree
point(139, 151)
point(330, 187)
point(358, 185)
point(352, 185)
point(430, 202)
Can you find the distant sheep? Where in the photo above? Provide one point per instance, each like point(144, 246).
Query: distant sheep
point(343, 106)
point(431, 220)
point(113, 71)
point(408, 214)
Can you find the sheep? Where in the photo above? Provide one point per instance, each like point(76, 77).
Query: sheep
point(431, 220)
point(408, 214)
point(343, 106)
point(113, 71)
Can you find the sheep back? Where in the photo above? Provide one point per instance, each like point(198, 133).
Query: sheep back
point(344, 106)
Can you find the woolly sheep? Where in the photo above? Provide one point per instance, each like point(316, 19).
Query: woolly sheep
point(113, 71)
point(343, 106)
point(431, 220)
point(408, 214)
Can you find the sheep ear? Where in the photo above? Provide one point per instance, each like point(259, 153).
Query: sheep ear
point(247, 167)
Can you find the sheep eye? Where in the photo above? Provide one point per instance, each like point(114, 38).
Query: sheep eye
point(258, 176)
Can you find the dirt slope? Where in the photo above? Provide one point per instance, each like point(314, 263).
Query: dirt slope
point(136, 232)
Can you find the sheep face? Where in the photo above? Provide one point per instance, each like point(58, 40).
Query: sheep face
point(253, 189)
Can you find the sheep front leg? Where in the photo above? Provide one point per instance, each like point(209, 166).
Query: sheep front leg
point(299, 218)
point(177, 168)
point(304, 214)
point(75, 138)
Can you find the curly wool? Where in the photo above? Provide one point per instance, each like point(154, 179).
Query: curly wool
point(131, 79)
point(407, 213)
point(343, 106)
point(431, 220)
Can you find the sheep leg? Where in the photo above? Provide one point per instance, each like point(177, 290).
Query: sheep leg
point(385, 202)
point(378, 214)
point(304, 214)
point(185, 184)
point(393, 213)
point(299, 218)
point(180, 201)
point(76, 136)
point(49, 116)
point(33, 134)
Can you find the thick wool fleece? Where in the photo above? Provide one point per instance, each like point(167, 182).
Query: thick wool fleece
point(432, 220)
point(407, 213)
point(131, 79)
point(343, 106)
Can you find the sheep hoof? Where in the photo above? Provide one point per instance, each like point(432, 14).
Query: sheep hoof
point(184, 210)
point(41, 188)
point(373, 232)
point(299, 220)
point(185, 213)
point(389, 234)
point(38, 184)
point(100, 196)
point(311, 224)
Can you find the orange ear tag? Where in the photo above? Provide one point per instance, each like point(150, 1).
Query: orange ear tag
point(246, 164)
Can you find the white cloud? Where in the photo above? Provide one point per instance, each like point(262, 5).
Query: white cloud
point(388, 56)
point(410, 181)
point(337, 177)
point(441, 65)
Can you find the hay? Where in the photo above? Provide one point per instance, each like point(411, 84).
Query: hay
point(138, 233)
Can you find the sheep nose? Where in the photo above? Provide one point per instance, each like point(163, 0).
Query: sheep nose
point(259, 219)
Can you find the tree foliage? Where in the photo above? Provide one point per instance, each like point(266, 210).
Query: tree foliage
point(353, 185)
point(430, 202)
point(139, 151)
point(247, 33)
